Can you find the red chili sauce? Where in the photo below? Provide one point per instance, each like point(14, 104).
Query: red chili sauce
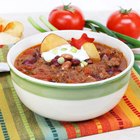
point(31, 63)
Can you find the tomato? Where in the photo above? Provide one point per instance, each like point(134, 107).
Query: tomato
point(126, 22)
point(67, 17)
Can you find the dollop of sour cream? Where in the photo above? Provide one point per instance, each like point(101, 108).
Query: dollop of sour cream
point(65, 49)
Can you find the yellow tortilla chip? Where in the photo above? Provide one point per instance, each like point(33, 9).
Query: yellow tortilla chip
point(91, 50)
point(52, 41)
point(3, 24)
point(14, 28)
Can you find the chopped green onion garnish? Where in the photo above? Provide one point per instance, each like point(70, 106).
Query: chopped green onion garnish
point(55, 51)
point(60, 60)
point(63, 49)
point(84, 63)
point(73, 49)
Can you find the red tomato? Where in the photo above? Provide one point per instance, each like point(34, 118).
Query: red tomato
point(126, 22)
point(67, 17)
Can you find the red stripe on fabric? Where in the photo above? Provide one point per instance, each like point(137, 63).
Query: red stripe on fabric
point(71, 133)
point(87, 128)
point(131, 106)
point(119, 120)
point(105, 124)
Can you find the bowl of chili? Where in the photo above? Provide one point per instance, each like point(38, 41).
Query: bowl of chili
point(65, 99)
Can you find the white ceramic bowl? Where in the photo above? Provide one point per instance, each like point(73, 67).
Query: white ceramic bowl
point(70, 102)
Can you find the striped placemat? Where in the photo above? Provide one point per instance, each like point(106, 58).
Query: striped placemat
point(19, 123)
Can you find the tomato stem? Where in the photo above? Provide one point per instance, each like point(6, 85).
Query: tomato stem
point(68, 8)
point(125, 11)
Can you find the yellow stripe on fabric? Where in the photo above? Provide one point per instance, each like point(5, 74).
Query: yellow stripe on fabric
point(21, 111)
point(11, 128)
point(128, 112)
point(1, 134)
point(99, 126)
point(134, 85)
point(135, 88)
point(133, 98)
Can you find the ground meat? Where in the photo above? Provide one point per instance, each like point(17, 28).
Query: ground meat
point(112, 63)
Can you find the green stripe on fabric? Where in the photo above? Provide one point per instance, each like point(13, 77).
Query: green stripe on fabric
point(3, 53)
point(33, 124)
point(1, 56)
point(12, 106)
point(15, 115)
point(42, 124)
point(3, 127)
point(77, 129)
point(21, 112)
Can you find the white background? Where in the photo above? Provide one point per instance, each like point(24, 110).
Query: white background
point(91, 8)
point(47, 5)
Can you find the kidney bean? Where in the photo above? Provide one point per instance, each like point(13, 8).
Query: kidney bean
point(56, 57)
point(56, 64)
point(37, 54)
point(53, 61)
point(75, 62)
point(30, 61)
point(89, 61)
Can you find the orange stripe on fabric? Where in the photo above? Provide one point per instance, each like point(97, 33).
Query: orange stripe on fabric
point(117, 117)
point(126, 121)
point(112, 120)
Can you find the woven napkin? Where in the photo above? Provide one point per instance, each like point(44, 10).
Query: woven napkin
point(17, 122)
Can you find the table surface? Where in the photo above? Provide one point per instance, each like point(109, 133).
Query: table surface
point(19, 9)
